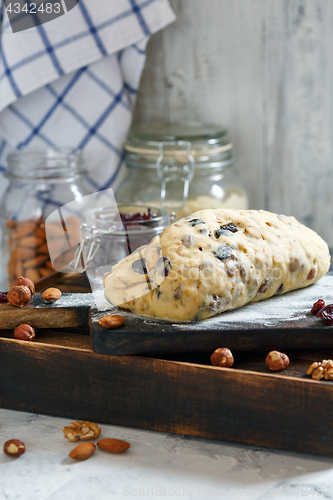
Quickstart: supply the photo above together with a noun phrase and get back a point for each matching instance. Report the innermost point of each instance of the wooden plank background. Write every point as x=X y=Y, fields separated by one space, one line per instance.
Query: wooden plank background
x=264 y=69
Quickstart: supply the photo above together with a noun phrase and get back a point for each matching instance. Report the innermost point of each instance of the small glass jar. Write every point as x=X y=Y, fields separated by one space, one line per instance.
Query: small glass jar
x=40 y=182
x=110 y=234
x=183 y=167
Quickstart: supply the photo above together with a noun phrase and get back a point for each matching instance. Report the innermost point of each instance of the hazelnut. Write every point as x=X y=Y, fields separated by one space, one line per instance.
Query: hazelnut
x=51 y=295
x=14 y=448
x=24 y=332
x=19 y=296
x=25 y=282
x=222 y=357
x=277 y=361
x=112 y=321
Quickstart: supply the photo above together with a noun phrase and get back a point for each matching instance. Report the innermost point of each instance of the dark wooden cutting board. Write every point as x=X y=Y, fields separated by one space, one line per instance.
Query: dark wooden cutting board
x=283 y=322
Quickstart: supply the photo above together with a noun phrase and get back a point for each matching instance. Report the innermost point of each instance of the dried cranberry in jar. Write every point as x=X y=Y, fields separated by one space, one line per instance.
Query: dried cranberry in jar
x=138 y=216
x=317 y=306
x=3 y=297
x=326 y=314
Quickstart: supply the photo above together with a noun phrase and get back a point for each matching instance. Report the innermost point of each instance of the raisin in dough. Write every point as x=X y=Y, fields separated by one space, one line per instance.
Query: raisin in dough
x=216 y=260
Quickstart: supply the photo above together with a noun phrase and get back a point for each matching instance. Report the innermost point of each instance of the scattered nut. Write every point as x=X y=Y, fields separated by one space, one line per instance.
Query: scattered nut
x=83 y=451
x=81 y=430
x=222 y=357
x=112 y=321
x=321 y=370
x=277 y=361
x=25 y=282
x=19 y=296
x=14 y=448
x=51 y=295
x=24 y=332
x=113 y=445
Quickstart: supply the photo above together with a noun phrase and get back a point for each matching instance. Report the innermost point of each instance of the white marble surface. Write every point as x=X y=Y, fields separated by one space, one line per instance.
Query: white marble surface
x=157 y=465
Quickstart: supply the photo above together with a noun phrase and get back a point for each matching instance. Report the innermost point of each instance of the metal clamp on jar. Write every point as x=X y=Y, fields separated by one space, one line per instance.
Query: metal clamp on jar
x=182 y=167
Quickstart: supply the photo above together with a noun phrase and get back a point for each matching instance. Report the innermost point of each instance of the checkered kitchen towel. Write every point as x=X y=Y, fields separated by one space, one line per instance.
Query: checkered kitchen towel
x=73 y=81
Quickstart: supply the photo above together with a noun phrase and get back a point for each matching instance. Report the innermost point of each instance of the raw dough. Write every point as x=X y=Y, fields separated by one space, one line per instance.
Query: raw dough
x=216 y=260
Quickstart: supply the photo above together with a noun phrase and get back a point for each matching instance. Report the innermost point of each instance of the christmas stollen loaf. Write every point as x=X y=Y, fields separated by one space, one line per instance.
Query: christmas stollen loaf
x=217 y=260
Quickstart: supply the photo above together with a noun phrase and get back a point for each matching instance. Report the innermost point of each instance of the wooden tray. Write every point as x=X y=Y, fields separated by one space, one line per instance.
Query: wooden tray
x=59 y=374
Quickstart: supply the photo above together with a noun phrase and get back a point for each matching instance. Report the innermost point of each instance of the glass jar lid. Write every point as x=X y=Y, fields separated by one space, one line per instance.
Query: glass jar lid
x=208 y=144
x=45 y=163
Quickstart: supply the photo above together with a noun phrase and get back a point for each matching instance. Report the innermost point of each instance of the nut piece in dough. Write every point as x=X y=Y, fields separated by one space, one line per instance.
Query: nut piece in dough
x=81 y=431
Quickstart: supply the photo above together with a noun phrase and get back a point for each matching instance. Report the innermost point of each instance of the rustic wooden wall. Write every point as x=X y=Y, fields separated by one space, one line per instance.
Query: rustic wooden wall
x=264 y=69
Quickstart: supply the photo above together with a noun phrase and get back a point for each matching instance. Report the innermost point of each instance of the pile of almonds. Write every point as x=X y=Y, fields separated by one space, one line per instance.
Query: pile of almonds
x=28 y=248
x=29 y=251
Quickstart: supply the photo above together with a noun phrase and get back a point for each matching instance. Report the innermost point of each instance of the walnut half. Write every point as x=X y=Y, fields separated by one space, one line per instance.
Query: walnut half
x=81 y=431
x=321 y=370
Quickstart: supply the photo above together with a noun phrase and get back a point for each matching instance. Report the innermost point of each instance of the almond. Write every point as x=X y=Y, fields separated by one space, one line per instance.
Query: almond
x=112 y=321
x=113 y=445
x=31 y=273
x=31 y=242
x=24 y=229
x=253 y=231
x=43 y=249
x=18 y=268
x=24 y=253
x=36 y=261
x=51 y=294
x=40 y=232
x=45 y=271
x=83 y=451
